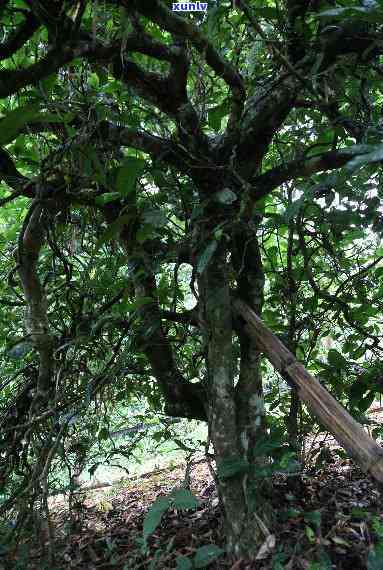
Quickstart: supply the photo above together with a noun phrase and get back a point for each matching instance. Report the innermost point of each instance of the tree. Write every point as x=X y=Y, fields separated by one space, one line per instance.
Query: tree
x=136 y=139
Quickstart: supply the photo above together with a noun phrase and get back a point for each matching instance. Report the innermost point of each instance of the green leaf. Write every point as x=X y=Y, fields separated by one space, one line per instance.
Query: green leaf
x=313 y=517
x=216 y=114
x=184 y=563
x=357 y=390
x=139 y=302
x=266 y=12
x=103 y=434
x=53 y=118
x=375 y=156
x=266 y=444
x=360 y=513
x=365 y=403
x=225 y=196
x=159 y=178
x=145 y=232
x=156 y=218
x=184 y=499
x=340 y=541
x=20 y=350
x=15 y=120
x=375 y=558
x=206 y=554
x=49 y=82
x=154 y=515
x=353 y=235
x=232 y=467
x=107 y=197
x=94 y=80
x=206 y=255
x=334 y=13
x=358 y=353
x=128 y=174
x=310 y=533
x=329 y=198
x=373 y=14
x=113 y=230
x=293 y=209
x=336 y=359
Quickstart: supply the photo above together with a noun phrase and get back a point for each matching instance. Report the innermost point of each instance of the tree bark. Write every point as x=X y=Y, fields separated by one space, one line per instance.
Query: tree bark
x=236 y=414
x=182 y=399
x=215 y=293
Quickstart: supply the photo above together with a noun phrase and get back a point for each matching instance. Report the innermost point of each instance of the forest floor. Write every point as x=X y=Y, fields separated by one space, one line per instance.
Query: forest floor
x=329 y=517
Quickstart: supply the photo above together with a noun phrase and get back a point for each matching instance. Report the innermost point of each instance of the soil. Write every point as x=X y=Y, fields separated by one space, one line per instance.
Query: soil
x=329 y=517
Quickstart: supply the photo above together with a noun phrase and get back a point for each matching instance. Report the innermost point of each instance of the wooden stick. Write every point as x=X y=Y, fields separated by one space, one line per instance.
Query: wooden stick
x=346 y=430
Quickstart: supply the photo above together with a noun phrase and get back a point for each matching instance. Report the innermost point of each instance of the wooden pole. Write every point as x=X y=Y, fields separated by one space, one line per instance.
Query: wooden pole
x=346 y=430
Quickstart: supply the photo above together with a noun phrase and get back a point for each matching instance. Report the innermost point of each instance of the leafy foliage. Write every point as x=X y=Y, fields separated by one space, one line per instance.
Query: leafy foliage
x=181 y=499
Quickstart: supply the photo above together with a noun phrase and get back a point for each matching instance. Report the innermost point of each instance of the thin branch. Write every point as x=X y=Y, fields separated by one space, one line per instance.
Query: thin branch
x=301 y=168
x=140 y=43
x=12 y=177
x=20 y=36
x=273 y=48
x=12 y=81
x=188 y=317
x=330 y=298
x=159 y=148
x=263 y=116
x=157 y=12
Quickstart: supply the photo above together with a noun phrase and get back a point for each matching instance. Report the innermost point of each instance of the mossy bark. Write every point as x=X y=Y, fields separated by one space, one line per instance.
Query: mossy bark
x=236 y=413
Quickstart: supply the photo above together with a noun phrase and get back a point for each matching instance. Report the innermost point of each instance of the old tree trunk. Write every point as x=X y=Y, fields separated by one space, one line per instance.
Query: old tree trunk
x=235 y=411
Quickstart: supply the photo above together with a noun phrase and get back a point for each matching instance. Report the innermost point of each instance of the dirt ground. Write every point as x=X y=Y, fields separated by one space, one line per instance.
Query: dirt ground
x=328 y=517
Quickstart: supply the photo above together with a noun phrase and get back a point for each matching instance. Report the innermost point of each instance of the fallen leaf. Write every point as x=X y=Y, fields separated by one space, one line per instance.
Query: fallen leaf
x=266 y=548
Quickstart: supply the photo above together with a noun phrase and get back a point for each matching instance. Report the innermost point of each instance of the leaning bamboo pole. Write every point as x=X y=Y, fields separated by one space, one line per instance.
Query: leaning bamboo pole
x=346 y=430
